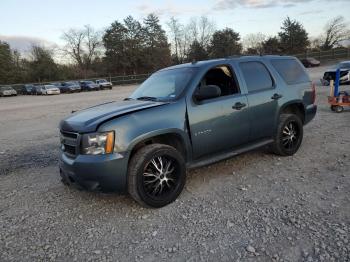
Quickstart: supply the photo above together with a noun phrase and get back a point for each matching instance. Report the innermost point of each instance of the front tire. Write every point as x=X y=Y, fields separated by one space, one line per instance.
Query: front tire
x=156 y=176
x=289 y=135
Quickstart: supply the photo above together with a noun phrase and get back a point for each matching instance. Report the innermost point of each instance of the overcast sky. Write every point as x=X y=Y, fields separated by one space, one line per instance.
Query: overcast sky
x=23 y=22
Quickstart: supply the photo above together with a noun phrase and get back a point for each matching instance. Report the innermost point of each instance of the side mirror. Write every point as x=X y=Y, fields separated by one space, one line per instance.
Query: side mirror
x=207 y=92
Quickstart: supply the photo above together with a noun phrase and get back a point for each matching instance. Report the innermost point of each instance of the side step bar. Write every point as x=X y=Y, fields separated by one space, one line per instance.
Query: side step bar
x=222 y=156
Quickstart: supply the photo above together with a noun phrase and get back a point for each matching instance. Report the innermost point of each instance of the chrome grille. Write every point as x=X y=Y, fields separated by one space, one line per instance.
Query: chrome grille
x=70 y=143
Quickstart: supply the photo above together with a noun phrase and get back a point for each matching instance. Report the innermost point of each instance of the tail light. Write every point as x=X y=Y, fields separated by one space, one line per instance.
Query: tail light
x=313 y=94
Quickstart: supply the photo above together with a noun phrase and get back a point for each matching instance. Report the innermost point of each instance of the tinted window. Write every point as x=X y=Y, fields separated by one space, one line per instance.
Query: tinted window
x=291 y=71
x=256 y=76
x=344 y=65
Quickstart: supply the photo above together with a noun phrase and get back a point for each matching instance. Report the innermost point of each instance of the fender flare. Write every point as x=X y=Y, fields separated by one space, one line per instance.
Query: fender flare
x=169 y=131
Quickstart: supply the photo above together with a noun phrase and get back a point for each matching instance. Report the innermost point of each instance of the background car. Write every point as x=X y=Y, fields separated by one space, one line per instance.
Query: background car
x=344 y=73
x=104 y=84
x=28 y=89
x=50 y=90
x=38 y=90
x=7 y=91
x=310 y=62
x=70 y=87
x=89 y=86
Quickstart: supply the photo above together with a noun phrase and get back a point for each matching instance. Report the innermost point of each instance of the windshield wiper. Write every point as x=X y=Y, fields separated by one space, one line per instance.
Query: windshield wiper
x=147 y=98
x=128 y=98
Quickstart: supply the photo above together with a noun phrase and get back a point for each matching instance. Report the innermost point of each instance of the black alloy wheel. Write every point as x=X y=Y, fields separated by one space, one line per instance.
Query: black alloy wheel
x=289 y=135
x=157 y=175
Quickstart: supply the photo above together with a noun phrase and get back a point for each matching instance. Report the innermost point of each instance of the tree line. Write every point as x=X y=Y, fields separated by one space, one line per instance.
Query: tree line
x=130 y=47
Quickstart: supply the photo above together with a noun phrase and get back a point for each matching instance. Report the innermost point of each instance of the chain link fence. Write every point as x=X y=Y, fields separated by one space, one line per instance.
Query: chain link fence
x=335 y=54
x=115 y=80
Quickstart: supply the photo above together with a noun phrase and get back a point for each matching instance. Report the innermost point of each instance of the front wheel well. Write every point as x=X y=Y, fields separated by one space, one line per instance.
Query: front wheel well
x=173 y=140
x=296 y=109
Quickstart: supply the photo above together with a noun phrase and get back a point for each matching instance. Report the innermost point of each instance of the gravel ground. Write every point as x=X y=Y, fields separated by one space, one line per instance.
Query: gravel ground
x=254 y=207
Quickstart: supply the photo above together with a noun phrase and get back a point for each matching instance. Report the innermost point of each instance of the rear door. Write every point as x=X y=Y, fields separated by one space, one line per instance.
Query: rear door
x=263 y=96
x=220 y=123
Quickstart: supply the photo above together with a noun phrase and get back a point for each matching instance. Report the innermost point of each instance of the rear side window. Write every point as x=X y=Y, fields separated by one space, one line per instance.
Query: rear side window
x=256 y=76
x=291 y=71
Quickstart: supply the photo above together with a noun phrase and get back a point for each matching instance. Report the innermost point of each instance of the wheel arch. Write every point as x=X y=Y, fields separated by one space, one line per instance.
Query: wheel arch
x=296 y=107
x=172 y=137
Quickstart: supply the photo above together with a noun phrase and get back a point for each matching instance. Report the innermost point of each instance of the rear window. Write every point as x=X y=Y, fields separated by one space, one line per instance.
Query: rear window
x=291 y=71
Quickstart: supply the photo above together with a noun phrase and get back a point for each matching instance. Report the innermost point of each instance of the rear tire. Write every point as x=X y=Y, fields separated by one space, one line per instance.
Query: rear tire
x=156 y=175
x=289 y=135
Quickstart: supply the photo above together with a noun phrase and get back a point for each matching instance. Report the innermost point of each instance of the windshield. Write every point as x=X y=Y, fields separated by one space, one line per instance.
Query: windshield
x=6 y=88
x=164 y=85
x=89 y=82
x=343 y=65
x=102 y=81
x=71 y=83
x=50 y=87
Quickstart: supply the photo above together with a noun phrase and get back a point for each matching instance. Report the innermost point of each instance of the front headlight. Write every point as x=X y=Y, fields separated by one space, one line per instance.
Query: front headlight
x=98 y=143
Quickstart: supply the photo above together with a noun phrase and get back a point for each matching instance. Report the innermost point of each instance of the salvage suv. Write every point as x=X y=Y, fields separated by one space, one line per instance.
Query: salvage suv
x=186 y=116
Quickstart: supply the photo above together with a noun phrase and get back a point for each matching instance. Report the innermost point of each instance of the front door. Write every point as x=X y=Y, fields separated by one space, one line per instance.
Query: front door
x=221 y=123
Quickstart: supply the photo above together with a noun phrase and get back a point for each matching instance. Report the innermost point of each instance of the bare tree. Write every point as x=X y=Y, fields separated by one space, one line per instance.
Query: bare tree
x=180 y=40
x=315 y=43
x=82 y=45
x=176 y=31
x=253 y=43
x=93 y=43
x=336 y=31
x=201 y=30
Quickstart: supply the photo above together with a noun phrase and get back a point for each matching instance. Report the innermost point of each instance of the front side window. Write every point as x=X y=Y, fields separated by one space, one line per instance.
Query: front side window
x=223 y=78
x=256 y=76
x=164 y=85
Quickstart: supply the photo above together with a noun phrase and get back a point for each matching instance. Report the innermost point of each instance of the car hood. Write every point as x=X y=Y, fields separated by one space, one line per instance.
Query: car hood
x=89 y=119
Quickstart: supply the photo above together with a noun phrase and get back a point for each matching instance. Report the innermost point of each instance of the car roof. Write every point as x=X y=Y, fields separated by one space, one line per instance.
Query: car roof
x=213 y=62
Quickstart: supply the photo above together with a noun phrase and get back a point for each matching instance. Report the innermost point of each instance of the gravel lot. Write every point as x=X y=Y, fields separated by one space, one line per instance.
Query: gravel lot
x=254 y=207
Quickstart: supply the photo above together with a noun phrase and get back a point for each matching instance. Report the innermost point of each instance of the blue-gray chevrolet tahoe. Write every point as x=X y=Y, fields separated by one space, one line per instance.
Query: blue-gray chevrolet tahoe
x=183 y=117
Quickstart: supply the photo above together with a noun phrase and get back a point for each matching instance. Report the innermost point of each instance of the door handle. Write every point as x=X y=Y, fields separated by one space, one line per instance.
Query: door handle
x=276 y=96
x=238 y=106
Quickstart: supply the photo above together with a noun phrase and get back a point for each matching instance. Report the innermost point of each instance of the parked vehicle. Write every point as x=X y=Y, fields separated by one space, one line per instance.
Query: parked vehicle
x=104 y=84
x=7 y=91
x=50 y=90
x=38 y=90
x=28 y=89
x=186 y=116
x=56 y=84
x=344 y=73
x=310 y=62
x=70 y=87
x=89 y=86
